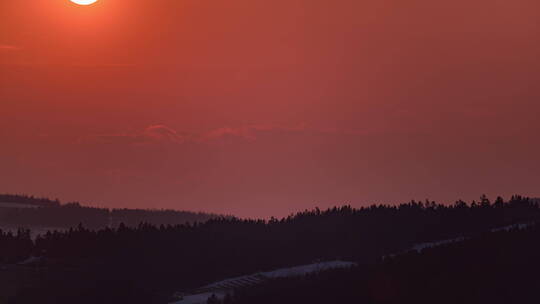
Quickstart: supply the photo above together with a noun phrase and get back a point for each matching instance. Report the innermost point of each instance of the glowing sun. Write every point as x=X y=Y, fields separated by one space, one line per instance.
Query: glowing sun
x=84 y=2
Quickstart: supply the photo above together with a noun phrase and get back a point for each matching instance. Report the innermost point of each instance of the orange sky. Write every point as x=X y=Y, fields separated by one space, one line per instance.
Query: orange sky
x=258 y=107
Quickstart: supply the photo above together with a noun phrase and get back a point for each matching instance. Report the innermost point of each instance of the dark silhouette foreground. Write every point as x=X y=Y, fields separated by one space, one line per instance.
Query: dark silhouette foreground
x=147 y=263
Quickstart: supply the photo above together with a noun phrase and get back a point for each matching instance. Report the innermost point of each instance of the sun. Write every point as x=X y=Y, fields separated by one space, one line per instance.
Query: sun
x=84 y=2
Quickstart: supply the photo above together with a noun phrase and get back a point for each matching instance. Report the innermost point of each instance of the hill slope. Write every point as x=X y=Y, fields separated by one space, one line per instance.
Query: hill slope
x=41 y=213
x=147 y=264
x=496 y=267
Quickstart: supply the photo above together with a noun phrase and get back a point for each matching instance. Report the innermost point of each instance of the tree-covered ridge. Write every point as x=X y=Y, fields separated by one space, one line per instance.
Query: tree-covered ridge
x=28 y=200
x=494 y=267
x=159 y=260
x=52 y=213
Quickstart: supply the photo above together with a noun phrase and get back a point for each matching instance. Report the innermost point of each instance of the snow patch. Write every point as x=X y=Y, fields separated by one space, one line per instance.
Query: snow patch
x=221 y=288
x=307 y=269
x=514 y=226
x=419 y=247
x=31 y=260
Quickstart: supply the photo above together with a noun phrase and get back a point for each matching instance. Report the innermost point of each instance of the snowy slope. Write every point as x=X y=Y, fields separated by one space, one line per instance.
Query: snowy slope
x=221 y=288
x=421 y=246
x=515 y=226
x=307 y=269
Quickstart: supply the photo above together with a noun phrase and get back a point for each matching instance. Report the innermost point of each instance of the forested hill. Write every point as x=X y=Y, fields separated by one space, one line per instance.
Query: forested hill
x=38 y=213
x=152 y=262
x=496 y=267
x=24 y=200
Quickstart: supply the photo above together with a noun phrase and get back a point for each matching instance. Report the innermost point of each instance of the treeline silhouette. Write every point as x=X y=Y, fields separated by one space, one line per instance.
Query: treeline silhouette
x=43 y=212
x=498 y=267
x=147 y=263
x=15 y=247
x=28 y=200
x=133 y=217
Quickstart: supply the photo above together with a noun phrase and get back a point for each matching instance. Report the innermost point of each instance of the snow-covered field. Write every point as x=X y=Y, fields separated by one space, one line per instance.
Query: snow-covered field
x=421 y=246
x=221 y=288
x=307 y=269
x=515 y=226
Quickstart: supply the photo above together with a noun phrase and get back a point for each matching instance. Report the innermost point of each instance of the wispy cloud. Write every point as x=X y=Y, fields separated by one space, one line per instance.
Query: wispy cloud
x=250 y=132
x=101 y=65
x=162 y=134
x=152 y=134
x=8 y=47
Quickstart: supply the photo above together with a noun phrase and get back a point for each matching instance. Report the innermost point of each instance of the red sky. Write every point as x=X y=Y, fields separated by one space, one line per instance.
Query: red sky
x=259 y=107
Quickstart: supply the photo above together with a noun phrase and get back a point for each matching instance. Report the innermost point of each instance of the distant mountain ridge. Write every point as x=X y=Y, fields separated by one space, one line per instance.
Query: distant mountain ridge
x=15 y=199
x=35 y=213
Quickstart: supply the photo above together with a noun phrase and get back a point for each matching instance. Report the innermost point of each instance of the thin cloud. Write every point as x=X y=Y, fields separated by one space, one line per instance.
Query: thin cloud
x=250 y=133
x=243 y=132
x=163 y=134
x=254 y=132
x=151 y=134
x=7 y=47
